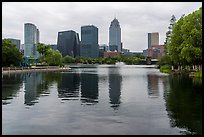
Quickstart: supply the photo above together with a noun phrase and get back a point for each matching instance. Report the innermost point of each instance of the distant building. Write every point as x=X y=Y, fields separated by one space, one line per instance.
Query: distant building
x=125 y=51
x=53 y=46
x=145 y=52
x=138 y=53
x=89 y=41
x=31 y=38
x=153 y=39
x=22 y=47
x=17 y=42
x=156 y=51
x=68 y=43
x=115 y=36
x=111 y=54
x=103 y=48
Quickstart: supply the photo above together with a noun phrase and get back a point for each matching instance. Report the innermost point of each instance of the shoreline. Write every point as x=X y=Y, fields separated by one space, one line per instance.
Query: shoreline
x=34 y=69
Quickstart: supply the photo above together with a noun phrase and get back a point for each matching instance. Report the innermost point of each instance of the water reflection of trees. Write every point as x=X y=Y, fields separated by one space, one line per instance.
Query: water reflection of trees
x=184 y=104
x=153 y=85
x=10 y=86
x=115 y=81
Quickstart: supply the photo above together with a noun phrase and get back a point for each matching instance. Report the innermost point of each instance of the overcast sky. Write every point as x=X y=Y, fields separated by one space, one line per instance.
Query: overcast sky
x=136 y=19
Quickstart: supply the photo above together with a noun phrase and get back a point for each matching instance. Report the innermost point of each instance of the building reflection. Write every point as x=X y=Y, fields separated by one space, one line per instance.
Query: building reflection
x=68 y=87
x=11 y=84
x=153 y=85
x=89 y=88
x=31 y=80
x=115 y=81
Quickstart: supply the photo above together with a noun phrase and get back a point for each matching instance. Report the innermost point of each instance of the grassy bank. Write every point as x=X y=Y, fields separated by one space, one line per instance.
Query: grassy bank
x=198 y=74
x=165 y=69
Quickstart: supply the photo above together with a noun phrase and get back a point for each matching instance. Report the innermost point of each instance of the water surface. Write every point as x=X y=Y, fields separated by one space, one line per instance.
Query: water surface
x=101 y=99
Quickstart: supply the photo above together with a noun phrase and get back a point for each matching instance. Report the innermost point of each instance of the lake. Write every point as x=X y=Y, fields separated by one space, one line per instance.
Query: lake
x=101 y=100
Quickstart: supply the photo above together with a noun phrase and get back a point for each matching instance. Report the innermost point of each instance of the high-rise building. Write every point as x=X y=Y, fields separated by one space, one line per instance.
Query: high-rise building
x=153 y=39
x=17 y=42
x=53 y=46
x=68 y=43
x=89 y=41
x=31 y=39
x=115 y=36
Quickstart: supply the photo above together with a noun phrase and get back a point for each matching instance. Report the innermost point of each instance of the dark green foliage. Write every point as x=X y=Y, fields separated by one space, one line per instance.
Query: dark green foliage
x=11 y=56
x=185 y=46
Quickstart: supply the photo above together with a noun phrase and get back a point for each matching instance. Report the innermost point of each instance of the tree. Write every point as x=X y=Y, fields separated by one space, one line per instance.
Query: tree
x=68 y=59
x=185 y=47
x=43 y=50
x=169 y=32
x=192 y=36
x=174 y=47
x=11 y=56
x=53 y=58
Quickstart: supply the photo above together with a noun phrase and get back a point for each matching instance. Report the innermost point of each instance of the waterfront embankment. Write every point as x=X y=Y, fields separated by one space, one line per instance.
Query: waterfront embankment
x=8 y=70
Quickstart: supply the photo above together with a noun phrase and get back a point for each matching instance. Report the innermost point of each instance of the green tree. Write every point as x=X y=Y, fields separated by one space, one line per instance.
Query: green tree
x=174 y=47
x=68 y=59
x=185 y=47
x=169 y=32
x=192 y=36
x=53 y=58
x=11 y=56
x=43 y=50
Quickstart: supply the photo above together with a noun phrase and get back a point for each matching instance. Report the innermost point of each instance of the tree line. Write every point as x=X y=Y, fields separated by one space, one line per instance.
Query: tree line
x=184 y=42
x=11 y=56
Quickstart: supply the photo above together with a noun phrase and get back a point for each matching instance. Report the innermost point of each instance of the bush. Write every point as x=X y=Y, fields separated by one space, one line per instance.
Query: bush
x=165 y=69
x=198 y=74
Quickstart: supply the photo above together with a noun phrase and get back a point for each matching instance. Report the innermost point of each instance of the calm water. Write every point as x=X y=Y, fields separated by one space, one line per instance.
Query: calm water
x=104 y=99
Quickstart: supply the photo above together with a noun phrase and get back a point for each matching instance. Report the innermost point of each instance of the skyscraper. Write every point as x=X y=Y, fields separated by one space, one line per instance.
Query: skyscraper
x=115 y=36
x=31 y=39
x=89 y=41
x=153 y=39
x=68 y=43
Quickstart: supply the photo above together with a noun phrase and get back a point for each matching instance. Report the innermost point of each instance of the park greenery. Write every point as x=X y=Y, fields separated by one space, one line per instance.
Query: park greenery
x=11 y=56
x=48 y=56
x=184 y=43
x=129 y=60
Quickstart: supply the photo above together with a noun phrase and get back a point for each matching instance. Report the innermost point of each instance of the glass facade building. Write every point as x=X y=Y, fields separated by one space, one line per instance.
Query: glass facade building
x=115 y=36
x=68 y=43
x=31 y=39
x=89 y=41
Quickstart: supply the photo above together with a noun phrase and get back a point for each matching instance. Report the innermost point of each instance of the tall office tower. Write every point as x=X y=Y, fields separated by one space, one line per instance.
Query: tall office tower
x=68 y=43
x=31 y=39
x=89 y=41
x=153 y=39
x=115 y=36
x=17 y=42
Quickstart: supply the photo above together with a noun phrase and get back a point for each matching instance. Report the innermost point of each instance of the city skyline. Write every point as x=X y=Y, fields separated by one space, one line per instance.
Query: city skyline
x=137 y=19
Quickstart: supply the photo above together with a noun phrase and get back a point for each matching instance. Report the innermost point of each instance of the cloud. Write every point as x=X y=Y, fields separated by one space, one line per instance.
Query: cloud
x=136 y=19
